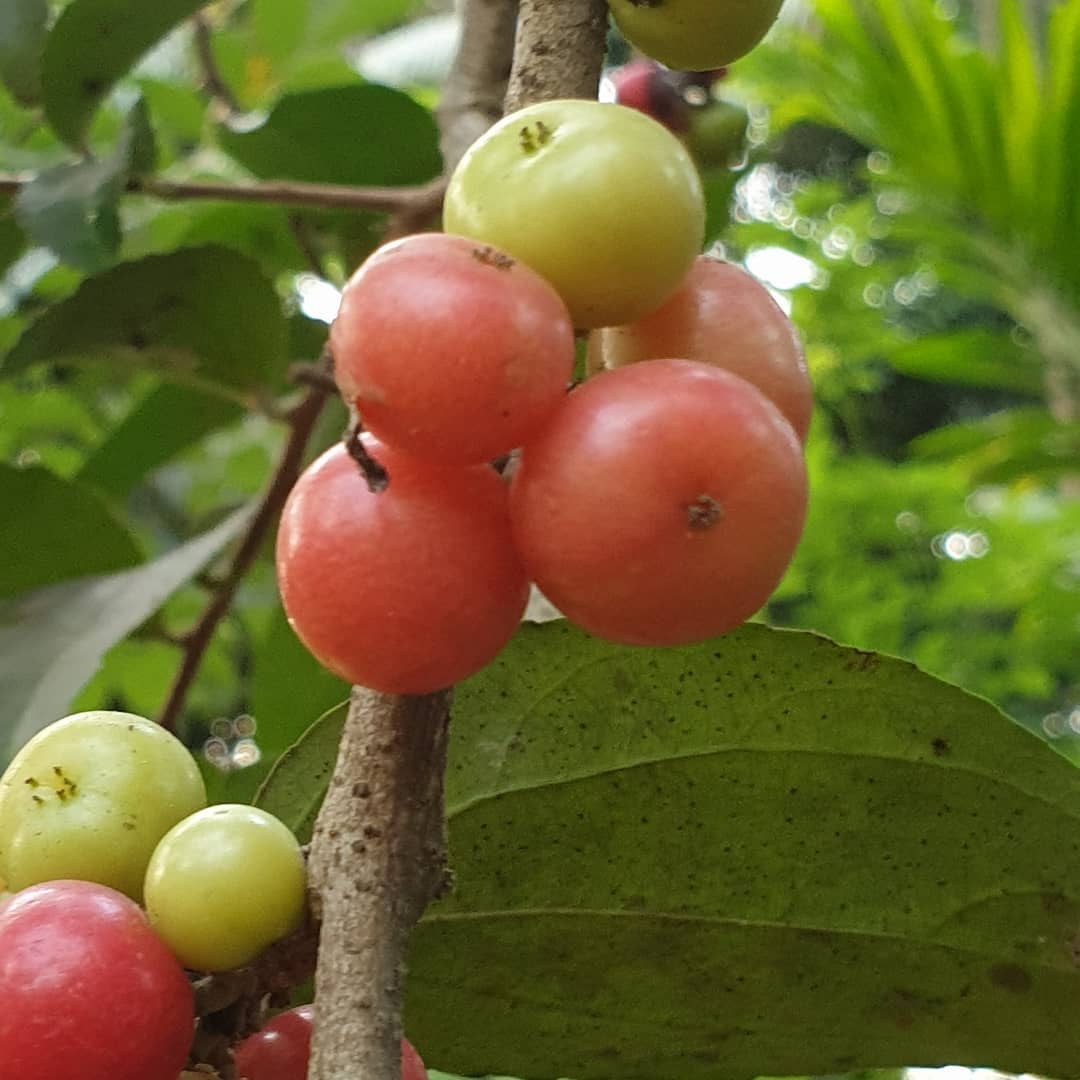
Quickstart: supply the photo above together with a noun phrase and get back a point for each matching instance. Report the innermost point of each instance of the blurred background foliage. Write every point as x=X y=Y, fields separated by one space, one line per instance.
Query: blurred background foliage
x=908 y=189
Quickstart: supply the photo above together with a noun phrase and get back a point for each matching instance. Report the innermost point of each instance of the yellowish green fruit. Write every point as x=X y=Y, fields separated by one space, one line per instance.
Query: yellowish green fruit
x=89 y=797
x=600 y=199
x=223 y=885
x=694 y=35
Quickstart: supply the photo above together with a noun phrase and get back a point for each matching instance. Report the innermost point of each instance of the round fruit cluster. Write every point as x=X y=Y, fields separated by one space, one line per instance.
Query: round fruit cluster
x=102 y=812
x=659 y=503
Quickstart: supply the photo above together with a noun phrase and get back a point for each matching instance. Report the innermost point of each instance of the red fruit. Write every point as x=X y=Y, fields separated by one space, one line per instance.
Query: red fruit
x=88 y=989
x=406 y=591
x=721 y=316
x=646 y=86
x=450 y=349
x=412 y=1064
x=662 y=503
x=280 y=1050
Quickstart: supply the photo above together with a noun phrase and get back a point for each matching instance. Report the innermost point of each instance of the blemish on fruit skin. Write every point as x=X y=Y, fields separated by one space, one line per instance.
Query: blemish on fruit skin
x=533 y=136
x=490 y=257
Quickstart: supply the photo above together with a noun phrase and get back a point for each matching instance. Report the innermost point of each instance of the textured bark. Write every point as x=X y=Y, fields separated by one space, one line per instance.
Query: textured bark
x=377 y=859
x=473 y=97
x=558 y=51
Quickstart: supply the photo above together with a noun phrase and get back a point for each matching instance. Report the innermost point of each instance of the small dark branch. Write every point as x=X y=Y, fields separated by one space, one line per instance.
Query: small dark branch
x=375 y=475
x=213 y=84
x=302 y=422
x=558 y=51
x=377 y=860
x=304 y=241
x=232 y=1004
x=421 y=199
x=295 y=193
x=304 y=374
x=476 y=85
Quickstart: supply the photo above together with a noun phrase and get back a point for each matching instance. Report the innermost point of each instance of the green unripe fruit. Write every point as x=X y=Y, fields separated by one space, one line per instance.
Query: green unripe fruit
x=89 y=797
x=718 y=134
x=694 y=35
x=223 y=885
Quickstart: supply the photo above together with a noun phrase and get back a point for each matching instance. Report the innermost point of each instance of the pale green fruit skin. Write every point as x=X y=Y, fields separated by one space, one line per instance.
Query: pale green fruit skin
x=608 y=206
x=123 y=782
x=695 y=35
x=223 y=885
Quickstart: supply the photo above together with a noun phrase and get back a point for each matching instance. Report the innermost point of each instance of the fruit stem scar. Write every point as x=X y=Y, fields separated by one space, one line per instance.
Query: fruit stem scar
x=703 y=513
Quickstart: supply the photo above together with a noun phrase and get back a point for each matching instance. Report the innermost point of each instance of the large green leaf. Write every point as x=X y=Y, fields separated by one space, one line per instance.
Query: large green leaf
x=40 y=515
x=204 y=316
x=169 y=419
x=288 y=688
x=52 y=640
x=765 y=854
x=94 y=43
x=362 y=134
x=294 y=789
x=22 y=34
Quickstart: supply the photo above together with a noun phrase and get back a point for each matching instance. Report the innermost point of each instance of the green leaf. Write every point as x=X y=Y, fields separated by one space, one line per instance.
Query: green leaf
x=764 y=854
x=334 y=20
x=288 y=687
x=362 y=134
x=40 y=514
x=93 y=44
x=73 y=208
x=1007 y=446
x=279 y=26
x=294 y=789
x=22 y=33
x=169 y=419
x=12 y=238
x=52 y=640
x=203 y=316
x=977 y=357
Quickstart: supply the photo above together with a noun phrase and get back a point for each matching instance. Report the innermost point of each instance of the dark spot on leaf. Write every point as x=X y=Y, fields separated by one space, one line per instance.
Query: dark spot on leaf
x=1011 y=977
x=941 y=746
x=93 y=87
x=1054 y=903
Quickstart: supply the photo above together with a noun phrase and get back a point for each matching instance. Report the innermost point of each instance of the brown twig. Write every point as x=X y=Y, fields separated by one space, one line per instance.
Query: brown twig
x=377 y=860
x=214 y=85
x=558 y=51
x=302 y=422
x=232 y=1004
x=378 y=856
x=472 y=99
x=418 y=199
